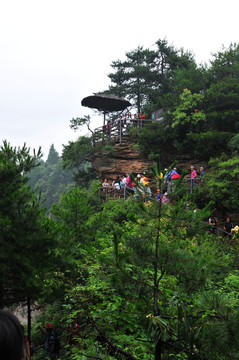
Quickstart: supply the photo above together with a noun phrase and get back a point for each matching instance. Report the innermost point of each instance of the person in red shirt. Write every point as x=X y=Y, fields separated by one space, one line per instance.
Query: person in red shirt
x=142 y=118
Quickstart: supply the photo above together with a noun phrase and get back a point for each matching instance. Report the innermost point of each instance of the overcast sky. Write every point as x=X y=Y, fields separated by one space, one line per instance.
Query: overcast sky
x=54 y=53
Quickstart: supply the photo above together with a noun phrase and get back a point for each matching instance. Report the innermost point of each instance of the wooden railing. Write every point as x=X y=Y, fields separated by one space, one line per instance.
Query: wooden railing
x=119 y=129
x=112 y=193
x=125 y=191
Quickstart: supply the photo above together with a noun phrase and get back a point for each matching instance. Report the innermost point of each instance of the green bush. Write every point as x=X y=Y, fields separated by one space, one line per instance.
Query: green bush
x=220 y=184
x=154 y=138
x=233 y=144
x=206 y=145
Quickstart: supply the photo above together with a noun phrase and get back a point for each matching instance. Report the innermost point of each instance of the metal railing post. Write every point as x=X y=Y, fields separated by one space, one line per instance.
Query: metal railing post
x=120 y=132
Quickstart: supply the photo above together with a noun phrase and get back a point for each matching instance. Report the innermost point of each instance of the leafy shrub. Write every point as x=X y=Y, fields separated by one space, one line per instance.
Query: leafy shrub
x=221 y=184
x=206 y=145
x=153 y=138
x=233 y=144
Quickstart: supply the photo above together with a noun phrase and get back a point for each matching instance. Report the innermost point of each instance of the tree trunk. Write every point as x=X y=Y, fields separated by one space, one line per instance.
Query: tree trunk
x=29 y=319
x=158 y=346
x=158 y=350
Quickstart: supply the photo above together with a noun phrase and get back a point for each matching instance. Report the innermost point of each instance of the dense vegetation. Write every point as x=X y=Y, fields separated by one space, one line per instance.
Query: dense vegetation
x=145 y=280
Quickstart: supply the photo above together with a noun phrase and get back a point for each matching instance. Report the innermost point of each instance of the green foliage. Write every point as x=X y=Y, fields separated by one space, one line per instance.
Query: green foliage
x=27 y=235
x=225 y=63
x=191 y=77
x=219 y=321
x=74 y=153
x=74 y=158
x=145 y=77
x=107 y=150
x=188 y=116
x=154 y=138
x=132 y=76
x=186 y=112
x=76 y=123
x=53 y=156
x=221 y=97
x=220 y=185
x=204 y=145
x=137 y=275
x=220 y=102
x=233 y=144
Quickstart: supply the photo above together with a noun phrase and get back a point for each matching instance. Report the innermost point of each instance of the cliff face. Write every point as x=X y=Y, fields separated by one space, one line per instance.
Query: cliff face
x=125 y=158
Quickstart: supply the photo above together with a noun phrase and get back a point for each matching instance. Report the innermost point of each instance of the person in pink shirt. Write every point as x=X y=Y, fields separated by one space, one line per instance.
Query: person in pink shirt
x=193 y=176
x=128 y=180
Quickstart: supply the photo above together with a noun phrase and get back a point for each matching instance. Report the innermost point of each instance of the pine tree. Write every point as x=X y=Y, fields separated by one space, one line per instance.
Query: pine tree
x=25 y=236
x=53 y=156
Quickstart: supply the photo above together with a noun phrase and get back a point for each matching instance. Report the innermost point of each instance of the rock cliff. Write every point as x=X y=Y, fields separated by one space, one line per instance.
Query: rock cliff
x=120 y=159
x=125 y=157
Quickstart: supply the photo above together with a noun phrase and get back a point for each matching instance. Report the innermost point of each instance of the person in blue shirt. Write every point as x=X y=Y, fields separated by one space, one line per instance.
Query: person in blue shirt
x=50 y=341
x=201 y=173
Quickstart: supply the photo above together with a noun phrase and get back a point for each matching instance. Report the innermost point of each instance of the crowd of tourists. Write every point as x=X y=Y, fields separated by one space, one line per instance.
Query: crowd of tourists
x=143 y=185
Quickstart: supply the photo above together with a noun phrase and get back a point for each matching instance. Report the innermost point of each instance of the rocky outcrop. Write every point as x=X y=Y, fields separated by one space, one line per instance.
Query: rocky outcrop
x=125 y=157
x=121 y=159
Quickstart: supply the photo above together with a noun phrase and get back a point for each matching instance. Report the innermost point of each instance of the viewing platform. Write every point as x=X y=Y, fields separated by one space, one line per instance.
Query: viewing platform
x=120 y=129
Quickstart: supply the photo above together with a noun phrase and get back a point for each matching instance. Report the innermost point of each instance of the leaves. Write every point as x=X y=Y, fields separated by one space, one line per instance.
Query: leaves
x=220 y=185
x=187 y=112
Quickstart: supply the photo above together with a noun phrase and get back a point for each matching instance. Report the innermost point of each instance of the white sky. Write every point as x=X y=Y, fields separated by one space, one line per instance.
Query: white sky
x=56 y=52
